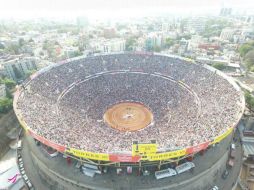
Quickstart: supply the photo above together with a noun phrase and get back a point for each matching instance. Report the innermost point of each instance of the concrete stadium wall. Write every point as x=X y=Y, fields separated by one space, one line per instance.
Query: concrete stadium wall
x=54 y=180
x=7 y=123
x=205 y=179
x=202 y=181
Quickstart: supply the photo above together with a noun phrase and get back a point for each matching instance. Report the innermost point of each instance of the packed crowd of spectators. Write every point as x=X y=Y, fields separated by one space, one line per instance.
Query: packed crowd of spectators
x=66 y=104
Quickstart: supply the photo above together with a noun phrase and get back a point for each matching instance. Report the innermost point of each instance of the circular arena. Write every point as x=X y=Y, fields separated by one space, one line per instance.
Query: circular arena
x=129 y=107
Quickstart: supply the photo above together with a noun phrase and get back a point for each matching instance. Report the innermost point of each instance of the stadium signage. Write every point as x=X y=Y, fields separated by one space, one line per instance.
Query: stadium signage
x=23 y=124
x=88 y=155
x=55 y=146
x=123 y=158
x=144 y=149
x=195 y=149
x=224 y=135
x=166 y=155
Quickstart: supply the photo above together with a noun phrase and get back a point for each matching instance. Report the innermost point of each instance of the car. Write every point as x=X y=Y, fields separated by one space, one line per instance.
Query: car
x=25 y=177
x=78 y=165
x=19 y=145
x=215 y=188
x=38 y=143
x=225 y=174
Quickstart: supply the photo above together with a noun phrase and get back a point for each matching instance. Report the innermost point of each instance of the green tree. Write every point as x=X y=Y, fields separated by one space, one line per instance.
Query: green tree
x=21 y=42
x=249 y=60
x=78 y=53
x=30 y=40
x=250 y=55
x=12 y=49
x=156 y=49
x=5 y=105
x=130 y=42
x=219 y=66
x=244 y=49
x=9 y=83
x=29 y=73
x=9 y=94
x=249 y=100
x=169 y=42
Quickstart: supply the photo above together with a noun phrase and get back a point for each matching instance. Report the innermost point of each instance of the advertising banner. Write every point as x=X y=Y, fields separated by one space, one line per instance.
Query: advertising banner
x=166 y=155
x=194 y=149
x=224 y=135
x=55 y=146
x=88 y=155
x=22 y=123
x=123 y=158
x=144 y=149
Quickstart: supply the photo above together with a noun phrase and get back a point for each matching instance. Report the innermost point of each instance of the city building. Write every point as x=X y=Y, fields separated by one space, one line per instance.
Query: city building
x=82 y=22
x=182 y=46
x=70 y=52
x=109 y=33
x=16 y=68
x=102 y=45
x=225 y=11
x=194 y=42
x=153 y=40
x=2 y=91
x=196 y=24
x=227 y=34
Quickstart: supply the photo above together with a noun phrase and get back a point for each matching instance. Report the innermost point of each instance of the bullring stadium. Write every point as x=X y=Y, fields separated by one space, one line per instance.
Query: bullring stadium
x=130 y=111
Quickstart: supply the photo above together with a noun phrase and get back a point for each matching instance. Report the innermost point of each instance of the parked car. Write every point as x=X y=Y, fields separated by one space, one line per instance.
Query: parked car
x=19 y=145
x=225 y=174
x=215 y=188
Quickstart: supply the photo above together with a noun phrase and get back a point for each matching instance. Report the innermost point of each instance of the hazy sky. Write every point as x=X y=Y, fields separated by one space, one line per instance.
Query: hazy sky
x=112 y=8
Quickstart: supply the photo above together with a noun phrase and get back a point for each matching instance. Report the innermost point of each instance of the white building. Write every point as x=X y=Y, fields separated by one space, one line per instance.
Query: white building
x=17 y=68
x=183 y=46
x=70 y=52
x=196 y=24
x=107 y=45
x=227 y=34
x=165 y=27
x=194 y=42
x=2 y=91
x=153 y=40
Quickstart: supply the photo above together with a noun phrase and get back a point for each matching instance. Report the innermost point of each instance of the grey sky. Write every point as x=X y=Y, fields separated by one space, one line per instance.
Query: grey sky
x=29 y=8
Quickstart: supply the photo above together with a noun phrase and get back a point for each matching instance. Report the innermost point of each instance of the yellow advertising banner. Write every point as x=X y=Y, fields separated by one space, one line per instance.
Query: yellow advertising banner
x=224 y=135
x=144 y=149
x=22 y=123
x=166 y=155
x=24 y=126
x=88 y=155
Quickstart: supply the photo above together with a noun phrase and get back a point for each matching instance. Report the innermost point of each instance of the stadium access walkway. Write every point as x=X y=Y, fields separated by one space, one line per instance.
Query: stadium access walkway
x=213 y=160
x=234 y=173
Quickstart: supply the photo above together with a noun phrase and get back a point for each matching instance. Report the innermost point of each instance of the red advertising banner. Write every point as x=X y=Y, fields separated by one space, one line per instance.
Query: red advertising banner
x=197 y=148
x=123 y=158
x=55 y=146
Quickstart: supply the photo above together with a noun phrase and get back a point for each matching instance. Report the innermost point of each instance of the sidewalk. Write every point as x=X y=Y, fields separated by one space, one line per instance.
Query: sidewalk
x=9 y=173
